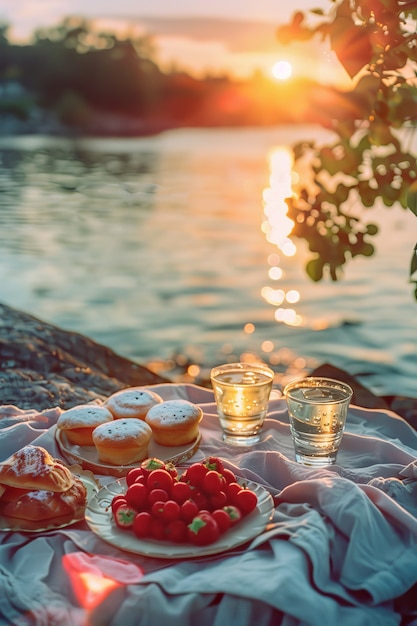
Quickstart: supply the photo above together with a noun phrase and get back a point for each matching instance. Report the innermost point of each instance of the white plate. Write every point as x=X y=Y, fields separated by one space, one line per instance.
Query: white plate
x=99 y=518
x=87 y=456
x=92 y=488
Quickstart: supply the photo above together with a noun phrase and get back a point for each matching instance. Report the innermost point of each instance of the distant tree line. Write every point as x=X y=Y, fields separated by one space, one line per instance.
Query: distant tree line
x=89 y=79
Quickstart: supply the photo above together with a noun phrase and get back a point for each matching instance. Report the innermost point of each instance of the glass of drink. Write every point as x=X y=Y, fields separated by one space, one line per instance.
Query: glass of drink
x=242 y=391
x=317 y=410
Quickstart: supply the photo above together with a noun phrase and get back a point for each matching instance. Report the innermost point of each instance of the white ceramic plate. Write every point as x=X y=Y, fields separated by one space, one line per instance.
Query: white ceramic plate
x=87 y=456
x=92 y=489
x=99 y=518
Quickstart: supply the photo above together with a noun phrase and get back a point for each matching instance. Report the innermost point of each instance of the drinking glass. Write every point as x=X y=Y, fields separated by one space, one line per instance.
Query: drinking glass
x=242 y=391
x=317 y=410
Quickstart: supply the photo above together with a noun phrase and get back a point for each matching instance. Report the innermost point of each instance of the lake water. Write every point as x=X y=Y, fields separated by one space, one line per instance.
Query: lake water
x=154 y=247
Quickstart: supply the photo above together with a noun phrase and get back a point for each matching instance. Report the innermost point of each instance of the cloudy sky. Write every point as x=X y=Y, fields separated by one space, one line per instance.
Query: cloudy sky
x=234 y=36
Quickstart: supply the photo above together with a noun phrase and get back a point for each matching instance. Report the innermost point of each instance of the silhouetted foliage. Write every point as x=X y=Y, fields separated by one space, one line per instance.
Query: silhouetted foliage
x=373 y=123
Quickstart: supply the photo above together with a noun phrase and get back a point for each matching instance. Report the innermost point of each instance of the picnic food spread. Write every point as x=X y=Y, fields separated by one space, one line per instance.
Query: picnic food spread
x=308 y=536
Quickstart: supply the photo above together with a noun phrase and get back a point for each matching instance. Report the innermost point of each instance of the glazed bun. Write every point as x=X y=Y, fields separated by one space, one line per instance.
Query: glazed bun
x=132 y=402
x=33 y=467
x=38 y=491
x=36 y=509
x=122 y=441
x=79 y=422
x=174 y=422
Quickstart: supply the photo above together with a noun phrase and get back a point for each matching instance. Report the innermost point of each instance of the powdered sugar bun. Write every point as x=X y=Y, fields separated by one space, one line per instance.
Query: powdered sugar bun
x=79 y=422
x=174 y=422
x=122 y=441
x=132 y=402
x=32 y=467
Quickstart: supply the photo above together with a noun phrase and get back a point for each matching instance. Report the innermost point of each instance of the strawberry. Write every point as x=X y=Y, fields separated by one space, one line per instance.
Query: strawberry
x=176 y=531
x=231 y=490
x=228 y=475
x=133 y=475
x=214 y=463
x=151 y=464
x=223 y=519
x=217 y=500
x=170 y=467
x=171 y=511
x=212 y=482
x=189 y=510
x=157 y=494
x=245 y=500
x=117 y=501
x=194 y=474
x=234 y=513
x=124 y=516
x=142 y=524
x=203 y=530
x=136 y=496
x=160 y=479
x=180 y=491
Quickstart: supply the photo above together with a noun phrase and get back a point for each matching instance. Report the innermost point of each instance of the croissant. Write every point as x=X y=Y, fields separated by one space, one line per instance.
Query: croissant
x=38 y=491
x=32 y=467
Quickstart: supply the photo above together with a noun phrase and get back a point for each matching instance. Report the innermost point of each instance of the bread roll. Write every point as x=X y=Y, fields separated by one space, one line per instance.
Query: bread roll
x=38 y=491
x=132 y=402
x=174 y=422
x=33 y=467
x=79 y=422
x=122 y=441
x=37 y=509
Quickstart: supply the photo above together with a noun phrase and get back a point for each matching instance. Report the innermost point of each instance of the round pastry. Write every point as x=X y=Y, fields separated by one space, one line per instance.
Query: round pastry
x=122 y=441
x=38 y=508
x=79 y=422
x=132 y=402
x=174 y=422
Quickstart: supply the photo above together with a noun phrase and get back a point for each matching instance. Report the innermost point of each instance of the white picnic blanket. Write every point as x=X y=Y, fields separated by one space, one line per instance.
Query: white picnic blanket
x=342 y=548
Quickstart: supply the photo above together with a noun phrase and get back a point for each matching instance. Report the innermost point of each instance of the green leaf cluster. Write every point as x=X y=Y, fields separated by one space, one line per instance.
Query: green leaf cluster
x=373 y=124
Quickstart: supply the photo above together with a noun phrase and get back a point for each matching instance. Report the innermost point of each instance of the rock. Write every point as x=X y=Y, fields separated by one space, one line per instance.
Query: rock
x=42 y=366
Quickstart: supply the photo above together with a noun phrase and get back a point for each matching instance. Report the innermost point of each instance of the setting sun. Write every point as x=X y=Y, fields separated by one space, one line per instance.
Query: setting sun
x=282 y=70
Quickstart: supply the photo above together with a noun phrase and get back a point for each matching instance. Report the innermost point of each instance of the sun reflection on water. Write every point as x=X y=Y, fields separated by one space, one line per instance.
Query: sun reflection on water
x=279 y=292
x=277 y=228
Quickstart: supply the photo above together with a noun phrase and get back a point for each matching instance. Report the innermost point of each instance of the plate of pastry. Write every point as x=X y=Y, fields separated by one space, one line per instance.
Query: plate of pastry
x=99 y=518
x=130 y=426
x=88 y=458
x=40 y=493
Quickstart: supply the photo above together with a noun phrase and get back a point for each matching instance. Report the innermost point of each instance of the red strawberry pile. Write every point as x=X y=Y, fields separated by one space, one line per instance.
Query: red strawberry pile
x=195 y=507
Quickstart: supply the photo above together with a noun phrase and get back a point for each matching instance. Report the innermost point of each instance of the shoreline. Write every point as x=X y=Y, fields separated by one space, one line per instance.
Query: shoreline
x=43 y=366
x=107 y=126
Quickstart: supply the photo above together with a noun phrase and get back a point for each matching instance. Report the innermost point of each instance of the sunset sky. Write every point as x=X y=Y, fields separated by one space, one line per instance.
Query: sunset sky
x=221 y=36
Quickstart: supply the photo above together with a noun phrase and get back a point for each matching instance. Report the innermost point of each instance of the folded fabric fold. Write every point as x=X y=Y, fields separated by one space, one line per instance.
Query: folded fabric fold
x=410 y=471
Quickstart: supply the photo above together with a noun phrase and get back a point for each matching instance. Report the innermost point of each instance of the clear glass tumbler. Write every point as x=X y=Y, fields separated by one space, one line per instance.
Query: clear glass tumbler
x=242 y=393
x=317 y=410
